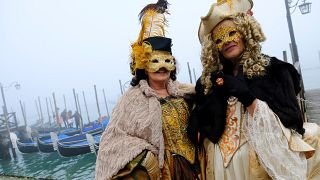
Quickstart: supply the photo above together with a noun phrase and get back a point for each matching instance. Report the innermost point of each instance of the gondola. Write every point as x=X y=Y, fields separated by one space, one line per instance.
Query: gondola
x=66 y=131
x=45 y=143
x=76 y=145
x=27 y=146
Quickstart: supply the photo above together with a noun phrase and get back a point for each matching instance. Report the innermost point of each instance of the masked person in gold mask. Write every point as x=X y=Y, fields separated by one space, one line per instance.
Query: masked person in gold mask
x=146 y=136
x=247 y=112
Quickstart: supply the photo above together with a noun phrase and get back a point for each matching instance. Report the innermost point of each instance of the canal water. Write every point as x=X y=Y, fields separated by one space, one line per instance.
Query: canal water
x=50 y=166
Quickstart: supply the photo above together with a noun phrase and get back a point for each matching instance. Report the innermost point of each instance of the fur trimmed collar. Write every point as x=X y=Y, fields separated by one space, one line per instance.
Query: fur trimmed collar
x=135 y=125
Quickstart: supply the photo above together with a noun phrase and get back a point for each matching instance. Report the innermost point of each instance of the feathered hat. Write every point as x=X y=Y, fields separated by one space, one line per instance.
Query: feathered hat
x=219 y=11
x=151 y=37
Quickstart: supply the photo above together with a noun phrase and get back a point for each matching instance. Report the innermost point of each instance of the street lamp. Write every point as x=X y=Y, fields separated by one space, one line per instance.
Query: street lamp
x=304 y=8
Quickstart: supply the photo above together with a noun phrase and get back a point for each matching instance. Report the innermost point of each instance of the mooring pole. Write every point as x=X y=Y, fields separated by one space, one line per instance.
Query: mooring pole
x=49 y=117
x=99 y=113
x=85 y=103
x=6 y=120
x=105 y=101
x=23 y=113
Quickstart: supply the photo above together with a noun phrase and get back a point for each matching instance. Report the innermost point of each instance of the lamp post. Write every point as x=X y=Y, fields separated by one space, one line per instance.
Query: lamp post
x=5 y=110
x=305 y=8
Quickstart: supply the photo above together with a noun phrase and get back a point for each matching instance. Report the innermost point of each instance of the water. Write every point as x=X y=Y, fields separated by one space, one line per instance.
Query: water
x=50 y=166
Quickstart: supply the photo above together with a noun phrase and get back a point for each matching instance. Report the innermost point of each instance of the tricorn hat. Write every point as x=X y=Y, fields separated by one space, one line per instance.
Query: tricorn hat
x=219 y=11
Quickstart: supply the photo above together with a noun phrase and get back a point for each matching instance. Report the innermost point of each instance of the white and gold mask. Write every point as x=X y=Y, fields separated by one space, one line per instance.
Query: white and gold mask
x=224 y=35
x=160 y=59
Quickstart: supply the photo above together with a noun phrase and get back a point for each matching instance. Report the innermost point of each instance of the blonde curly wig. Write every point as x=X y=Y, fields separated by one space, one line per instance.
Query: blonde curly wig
x=254 y=63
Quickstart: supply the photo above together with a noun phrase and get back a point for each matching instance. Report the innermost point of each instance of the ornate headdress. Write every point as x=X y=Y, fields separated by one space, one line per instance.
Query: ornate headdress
x=219 y=11
x=152 y=41
x=254 y=63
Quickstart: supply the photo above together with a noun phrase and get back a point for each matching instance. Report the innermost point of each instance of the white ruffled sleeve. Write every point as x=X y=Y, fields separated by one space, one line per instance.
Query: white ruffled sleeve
x=266 y=137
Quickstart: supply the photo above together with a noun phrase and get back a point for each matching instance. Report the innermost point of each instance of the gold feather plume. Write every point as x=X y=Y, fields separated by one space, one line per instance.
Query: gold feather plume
x=153 y=23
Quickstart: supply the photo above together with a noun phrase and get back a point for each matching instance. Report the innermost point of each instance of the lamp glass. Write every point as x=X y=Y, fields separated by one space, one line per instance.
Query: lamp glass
x=305 y=8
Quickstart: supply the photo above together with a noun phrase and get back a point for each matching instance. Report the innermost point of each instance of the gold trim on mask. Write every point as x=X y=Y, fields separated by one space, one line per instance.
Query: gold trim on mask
x=160 y=59
x=226 y=34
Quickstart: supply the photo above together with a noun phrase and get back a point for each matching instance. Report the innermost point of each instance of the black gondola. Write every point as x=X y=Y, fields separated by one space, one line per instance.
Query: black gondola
x=27 y=146
x=76 y=145
x=45 y=143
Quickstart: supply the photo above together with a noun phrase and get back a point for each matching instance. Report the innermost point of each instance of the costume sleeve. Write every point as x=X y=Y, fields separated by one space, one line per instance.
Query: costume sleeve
x=208 y=117
x=120 y=143
x=266 y=137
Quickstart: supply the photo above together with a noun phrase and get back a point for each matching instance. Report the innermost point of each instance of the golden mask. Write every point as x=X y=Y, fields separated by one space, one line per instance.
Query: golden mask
x=160 y=59
x=226 y=34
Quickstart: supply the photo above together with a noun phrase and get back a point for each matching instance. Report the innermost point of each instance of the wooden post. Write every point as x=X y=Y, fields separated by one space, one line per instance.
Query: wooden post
x=5 y=114
x=189 y=72
x=99 y=113
x=79 y=107
x=49 y=117
x=15 y=119
x=23 y=113
x=53 y=112
x=41 y=114
x=24 y=110
x=37 y=108
x=194 y=75
x=285 y=57
x=121 y=89
x=292 y=54
x=56 y=110
x=75 y=100
x=85 y=103
x=105 y=102
x=81 y=120
x=65 y=103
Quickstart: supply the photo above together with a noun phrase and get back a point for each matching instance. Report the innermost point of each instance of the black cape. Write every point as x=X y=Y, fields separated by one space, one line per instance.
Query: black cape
x=278 y=88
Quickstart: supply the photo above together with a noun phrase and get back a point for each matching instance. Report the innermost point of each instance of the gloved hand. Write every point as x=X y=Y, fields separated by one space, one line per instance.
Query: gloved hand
x=151 y=164
x=233 y=86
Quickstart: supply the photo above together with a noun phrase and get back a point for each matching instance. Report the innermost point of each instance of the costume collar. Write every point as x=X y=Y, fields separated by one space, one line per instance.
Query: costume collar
x=149 y=92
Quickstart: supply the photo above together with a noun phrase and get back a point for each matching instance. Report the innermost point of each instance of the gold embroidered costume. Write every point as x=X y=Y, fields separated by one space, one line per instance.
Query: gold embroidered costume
x=179 y=151
x=146 y=137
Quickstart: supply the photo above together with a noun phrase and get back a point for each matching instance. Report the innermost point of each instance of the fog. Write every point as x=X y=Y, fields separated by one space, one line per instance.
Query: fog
x=55 y=46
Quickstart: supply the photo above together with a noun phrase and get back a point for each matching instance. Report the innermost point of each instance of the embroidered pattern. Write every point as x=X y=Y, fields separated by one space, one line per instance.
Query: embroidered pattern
x=174 y=117
x=230 y=140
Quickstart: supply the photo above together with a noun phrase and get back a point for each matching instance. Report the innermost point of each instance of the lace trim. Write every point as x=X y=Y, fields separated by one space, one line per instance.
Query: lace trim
x=265 y=136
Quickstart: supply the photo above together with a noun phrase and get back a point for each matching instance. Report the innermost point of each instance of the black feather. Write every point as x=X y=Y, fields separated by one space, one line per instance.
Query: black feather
x=161 y=7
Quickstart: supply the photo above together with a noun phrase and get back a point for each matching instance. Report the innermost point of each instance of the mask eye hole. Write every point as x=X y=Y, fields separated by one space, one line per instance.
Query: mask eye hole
x=218 y=41
x=167 y=61
x=155 y=60
x=232 y=33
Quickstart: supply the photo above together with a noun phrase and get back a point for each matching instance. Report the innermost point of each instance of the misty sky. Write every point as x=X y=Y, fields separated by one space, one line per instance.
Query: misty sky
x=57 y=45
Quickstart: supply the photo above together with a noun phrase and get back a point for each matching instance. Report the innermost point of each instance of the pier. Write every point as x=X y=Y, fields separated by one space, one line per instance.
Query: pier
x=313 y=105
x=7 y=124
